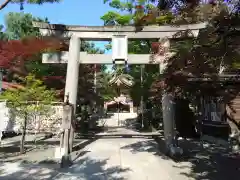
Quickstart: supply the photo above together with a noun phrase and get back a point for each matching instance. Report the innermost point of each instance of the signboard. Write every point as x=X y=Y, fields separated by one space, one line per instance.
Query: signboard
x=67 y=116
x=119 y=48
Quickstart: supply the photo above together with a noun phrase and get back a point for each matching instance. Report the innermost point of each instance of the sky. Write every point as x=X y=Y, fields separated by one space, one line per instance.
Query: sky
x=69 y=12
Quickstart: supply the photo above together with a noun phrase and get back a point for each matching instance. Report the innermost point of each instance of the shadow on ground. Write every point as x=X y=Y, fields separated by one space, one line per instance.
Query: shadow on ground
x=132 y=124
x=148 y=145
x=39 y=152
x=207 y=160
x=84 y=169
x=211 y=161
x=89 y=168
x=137 y=125
x=12 y=153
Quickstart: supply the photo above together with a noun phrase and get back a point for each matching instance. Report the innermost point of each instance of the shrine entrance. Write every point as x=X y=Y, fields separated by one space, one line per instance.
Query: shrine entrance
x=119 y=35
x=116 y=106
x=120 y=110
x=120 y=106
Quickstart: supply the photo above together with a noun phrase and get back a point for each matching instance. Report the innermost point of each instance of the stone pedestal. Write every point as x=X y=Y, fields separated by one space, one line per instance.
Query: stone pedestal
x=59 y=152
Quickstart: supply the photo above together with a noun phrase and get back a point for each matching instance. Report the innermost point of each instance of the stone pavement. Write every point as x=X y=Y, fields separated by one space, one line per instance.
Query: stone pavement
x=106 y=159
x=129 y=159
x=41 y=151
x=138 y=158
x=117 y=119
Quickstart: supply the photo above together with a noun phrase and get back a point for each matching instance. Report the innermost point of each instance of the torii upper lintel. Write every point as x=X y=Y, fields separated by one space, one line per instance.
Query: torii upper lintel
x=95 y=33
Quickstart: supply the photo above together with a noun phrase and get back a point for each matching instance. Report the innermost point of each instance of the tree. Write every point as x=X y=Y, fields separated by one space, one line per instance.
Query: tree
x=106 y=92
x=19 y=25
x=14 y=53
x=18 y=55
x=144 y=12
x=216 y=49
x=18 y=28
x=21 y=2
x=20 y=101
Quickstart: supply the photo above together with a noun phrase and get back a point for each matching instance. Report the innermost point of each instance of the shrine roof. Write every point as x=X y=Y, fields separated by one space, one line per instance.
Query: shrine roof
x=121 y=80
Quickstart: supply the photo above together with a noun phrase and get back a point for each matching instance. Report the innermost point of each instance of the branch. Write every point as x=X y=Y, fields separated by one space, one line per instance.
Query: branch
x=4 y=4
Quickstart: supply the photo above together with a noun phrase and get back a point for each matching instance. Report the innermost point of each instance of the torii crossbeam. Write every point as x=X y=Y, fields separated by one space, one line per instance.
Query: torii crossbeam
x=86 y=58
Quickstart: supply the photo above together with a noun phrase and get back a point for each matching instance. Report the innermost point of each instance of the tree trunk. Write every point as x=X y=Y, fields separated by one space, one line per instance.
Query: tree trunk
x=24 y=127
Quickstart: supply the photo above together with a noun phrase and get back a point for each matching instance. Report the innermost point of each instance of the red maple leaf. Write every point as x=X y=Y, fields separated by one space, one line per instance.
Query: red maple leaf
x=15 y=52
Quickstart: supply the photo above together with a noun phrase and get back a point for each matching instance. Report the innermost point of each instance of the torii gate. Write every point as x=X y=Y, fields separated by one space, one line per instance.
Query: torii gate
x=119 y=36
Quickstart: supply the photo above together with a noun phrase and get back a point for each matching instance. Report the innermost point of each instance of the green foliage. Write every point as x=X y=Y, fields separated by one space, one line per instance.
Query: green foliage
x=90 y=48
x=216 y=45
x=19 y=25
x=103 y=87
x=136 y=12
x=2 y=34
x=22 y=99
x=113 y=18
x=116 y=18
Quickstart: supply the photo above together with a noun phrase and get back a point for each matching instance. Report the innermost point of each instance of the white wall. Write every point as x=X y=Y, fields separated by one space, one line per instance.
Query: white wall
x=44 y=123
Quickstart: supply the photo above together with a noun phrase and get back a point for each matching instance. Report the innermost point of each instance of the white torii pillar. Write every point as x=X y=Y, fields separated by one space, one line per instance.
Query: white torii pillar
x=71 y=89
x=71 y=85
